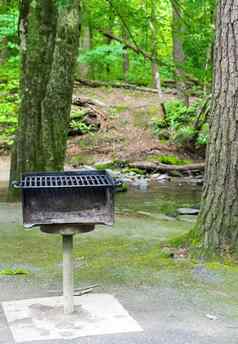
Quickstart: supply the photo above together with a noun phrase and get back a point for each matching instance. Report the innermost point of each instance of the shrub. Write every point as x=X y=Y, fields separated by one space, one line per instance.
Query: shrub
x=203 y=135
x=184 y=135
x=179 y=122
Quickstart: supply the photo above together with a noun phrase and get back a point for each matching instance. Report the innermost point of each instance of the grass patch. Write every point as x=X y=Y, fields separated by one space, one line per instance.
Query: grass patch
x=120 y=108
x=123 y=261
x=144 y=117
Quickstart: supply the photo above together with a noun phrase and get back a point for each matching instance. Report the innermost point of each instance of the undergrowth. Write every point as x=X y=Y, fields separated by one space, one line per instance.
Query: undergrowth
x=178 y=126
x=9 y=99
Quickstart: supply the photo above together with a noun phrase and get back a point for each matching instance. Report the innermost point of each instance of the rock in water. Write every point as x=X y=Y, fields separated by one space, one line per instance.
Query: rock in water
x=187 y=211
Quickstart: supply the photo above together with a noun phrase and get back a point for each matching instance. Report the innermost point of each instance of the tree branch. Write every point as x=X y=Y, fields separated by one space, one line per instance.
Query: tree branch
x=124 y=23
x=126 y=44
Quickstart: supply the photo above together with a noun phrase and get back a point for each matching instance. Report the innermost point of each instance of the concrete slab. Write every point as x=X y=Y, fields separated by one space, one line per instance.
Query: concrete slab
x=43 y=318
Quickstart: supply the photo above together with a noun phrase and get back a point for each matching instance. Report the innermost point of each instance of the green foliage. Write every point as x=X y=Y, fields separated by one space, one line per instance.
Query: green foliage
x=104 y=59
x=9 y=75
x=198 y=38
x=139 y=71
x=203 y=135
x=111 y=164
x=104 y=54
x=13 y=272
x=8 y=33
x=8 y=25
x=184 y=134
x=78 y=123
x=179 y=122
x=80 y=127
x=168 y=159
x=178 y=114
x=130 y=21
x=173 y=160
x=9 y=101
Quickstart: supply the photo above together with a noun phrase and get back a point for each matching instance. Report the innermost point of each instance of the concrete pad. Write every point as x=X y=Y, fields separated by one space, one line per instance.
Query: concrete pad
x=43 y=318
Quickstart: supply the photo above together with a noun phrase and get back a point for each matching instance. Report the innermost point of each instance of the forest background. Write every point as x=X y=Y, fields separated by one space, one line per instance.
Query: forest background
x=158 y=45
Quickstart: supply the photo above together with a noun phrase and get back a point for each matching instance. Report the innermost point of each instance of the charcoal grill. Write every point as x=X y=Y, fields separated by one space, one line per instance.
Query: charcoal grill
x=67 y=203
x=84 y=197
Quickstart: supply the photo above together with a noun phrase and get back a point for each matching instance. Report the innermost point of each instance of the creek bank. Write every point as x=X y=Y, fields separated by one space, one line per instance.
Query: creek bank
x=141 y=175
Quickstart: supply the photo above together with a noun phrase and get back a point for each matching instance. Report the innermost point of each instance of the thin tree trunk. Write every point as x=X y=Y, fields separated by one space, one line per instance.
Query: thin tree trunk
x=4 y=51
x=154 y=61
x=209 y=58
x=49 y=45
x=218 y=221
x=111 y=18
x=156 y=78
x=125 y=56
x=178 y=53
x=85 y=45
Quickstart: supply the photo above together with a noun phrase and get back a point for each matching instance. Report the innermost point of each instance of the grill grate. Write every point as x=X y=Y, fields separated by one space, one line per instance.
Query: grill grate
x=65 y=180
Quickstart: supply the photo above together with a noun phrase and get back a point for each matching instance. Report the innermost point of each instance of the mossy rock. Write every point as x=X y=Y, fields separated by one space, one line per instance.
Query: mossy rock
x=79 y=160
x=103 y=165
x=122 y=188
x=134 y=170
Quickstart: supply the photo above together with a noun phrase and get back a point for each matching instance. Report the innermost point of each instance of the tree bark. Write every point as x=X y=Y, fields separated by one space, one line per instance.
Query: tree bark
x=218 y=220
x=49 y=47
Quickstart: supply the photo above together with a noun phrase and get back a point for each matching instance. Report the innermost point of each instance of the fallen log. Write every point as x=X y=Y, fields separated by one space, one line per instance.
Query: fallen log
x=157 y=167
x=84 y=101
x=92 y=107
x=97 y=83
x=145 y=165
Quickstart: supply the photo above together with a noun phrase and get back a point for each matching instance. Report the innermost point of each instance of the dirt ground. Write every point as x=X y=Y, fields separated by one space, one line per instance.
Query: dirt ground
x=4 y=167
x=128 y=135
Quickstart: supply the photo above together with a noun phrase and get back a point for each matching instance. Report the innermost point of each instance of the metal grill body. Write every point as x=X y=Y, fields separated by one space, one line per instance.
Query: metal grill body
x=83 y=197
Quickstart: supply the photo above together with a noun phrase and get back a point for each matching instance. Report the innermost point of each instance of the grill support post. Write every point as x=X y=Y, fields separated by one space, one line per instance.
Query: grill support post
x=68 y=278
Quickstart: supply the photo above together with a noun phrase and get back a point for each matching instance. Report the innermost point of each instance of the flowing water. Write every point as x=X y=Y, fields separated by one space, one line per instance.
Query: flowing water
x=159 y=198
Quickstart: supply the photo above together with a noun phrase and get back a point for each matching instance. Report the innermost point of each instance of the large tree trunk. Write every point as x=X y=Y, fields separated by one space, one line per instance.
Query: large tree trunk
x=49 y=46
x=178 y=53
x=218 y=219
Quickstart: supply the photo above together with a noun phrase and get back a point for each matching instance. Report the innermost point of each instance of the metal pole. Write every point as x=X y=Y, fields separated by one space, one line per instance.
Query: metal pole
x=68 y=279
